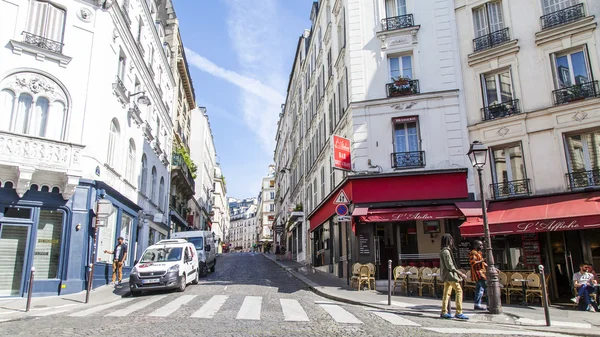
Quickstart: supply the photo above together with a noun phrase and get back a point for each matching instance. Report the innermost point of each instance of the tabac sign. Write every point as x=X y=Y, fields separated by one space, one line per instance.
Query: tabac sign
x=341 y=153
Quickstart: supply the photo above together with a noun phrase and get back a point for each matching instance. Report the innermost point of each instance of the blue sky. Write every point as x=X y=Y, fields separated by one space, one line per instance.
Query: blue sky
x=240 y=54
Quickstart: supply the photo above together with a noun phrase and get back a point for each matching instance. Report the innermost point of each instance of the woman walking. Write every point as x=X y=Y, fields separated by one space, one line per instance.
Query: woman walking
x=451 y=277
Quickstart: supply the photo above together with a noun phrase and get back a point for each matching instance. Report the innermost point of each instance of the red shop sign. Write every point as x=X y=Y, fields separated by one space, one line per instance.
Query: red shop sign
x=341 y=153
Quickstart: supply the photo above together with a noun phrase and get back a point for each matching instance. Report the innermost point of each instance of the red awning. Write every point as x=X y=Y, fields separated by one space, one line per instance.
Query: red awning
x=411 y=213
x=545 y=214
x=360 y=211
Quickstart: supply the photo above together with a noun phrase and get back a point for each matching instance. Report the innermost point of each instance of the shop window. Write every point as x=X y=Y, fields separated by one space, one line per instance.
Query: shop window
x=46 y=257
x=300 y=234
x=107 y=238
x=583 y=155
x=126 y=227
x=13 y=245
x=17 y=212
x=508 y=172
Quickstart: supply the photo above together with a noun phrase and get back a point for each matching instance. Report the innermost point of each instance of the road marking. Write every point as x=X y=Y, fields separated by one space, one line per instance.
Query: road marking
x=250 y=308
x=292 y=310
x=135 y=306
x=528 y=321
x=172 y=306
x=399 y=304
x=339 y=314
x=48 y=313
x=100 y=308
x=495 y=332
x=225 y=288
x=393 y=318
x=211 y=307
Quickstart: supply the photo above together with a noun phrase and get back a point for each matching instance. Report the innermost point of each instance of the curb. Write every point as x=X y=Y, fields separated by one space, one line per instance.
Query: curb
x=486 y=317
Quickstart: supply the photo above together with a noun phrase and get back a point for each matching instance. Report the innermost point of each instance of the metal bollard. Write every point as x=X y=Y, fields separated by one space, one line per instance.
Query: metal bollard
x=544 y=295
x=389 y=282
x=30 y=291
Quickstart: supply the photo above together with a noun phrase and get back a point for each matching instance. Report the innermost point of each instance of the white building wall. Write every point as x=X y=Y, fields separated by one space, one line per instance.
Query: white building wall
x=203 y=153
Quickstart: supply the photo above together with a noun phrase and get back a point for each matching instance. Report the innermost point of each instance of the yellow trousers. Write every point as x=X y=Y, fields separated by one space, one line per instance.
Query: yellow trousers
x=448 y=286
x=117 y=268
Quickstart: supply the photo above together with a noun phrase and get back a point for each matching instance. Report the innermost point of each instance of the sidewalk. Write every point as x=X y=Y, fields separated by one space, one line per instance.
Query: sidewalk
x=14 y=308
x=329 y=286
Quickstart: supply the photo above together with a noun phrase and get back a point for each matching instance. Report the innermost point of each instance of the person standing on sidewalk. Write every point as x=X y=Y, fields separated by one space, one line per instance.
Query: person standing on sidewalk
x=451 y=277
x=478 y=266
x=277 y=252
x=119 y=256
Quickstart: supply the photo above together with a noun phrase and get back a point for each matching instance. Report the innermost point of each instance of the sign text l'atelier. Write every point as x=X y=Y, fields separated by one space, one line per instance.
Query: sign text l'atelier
x=399 y=217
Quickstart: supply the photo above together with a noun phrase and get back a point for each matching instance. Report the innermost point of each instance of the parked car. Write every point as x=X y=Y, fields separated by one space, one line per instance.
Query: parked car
x=168 y=264
x=203 y=241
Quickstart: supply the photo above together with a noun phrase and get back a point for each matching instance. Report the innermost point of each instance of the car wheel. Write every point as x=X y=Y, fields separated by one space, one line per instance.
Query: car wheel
x=182 y=284
x=203 y=269
x=197 y=278
x=212 y=269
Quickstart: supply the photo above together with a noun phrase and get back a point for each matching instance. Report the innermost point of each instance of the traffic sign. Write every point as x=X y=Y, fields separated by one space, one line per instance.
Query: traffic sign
x=341 y=210
x=341 y=199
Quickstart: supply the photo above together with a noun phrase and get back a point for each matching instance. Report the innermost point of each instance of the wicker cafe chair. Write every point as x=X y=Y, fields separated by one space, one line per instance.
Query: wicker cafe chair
x=414 y=278
x=426 y=281
x=372 y=274
x=440 y=282
x=514 y=287
x=534 y=287
x=355 y=270
x=363 y=276
x=503 y=279
x=399 y=279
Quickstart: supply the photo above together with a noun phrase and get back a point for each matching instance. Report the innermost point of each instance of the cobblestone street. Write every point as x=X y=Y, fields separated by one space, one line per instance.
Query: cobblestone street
x=247 y=295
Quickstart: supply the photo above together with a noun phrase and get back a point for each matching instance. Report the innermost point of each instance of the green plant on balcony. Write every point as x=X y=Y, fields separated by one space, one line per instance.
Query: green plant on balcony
x=298 y=208
x=400 y=81
x=182 y=151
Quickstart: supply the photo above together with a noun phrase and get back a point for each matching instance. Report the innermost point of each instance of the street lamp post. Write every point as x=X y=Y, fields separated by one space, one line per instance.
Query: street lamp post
x=478 y=155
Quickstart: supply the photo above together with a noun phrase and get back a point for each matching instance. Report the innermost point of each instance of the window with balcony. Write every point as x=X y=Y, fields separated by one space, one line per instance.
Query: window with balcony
x=396 y=15
x=508 y=172
x=560 y=12
x=131 y=161
x=322 y=182
x=583 y=155
x=154 y=179
x=45 y=26
x=489 y=26
x=407 y=149
x=315 y=189
x=272 y=195
x=144 y=175
x=498 y=97
x=401 y=75
x=113 y=139
x=573 y=76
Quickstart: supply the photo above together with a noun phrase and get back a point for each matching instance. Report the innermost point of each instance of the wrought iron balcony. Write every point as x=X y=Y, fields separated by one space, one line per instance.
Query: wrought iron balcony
x=584 y=179
x=179 y=206
x=138 y=43
x=562 y=17
x=491 y=40
x=179 y=164
x=120 y=90
x=403 y=160
x=159 y=90
x=513 y=188
x=148 y=132
x=501 y=110
x=126 y=15
x=576 y=92
x=397 y=22
x=135 y=114
x=42 y=42
x=402 y=88
x=151 y=71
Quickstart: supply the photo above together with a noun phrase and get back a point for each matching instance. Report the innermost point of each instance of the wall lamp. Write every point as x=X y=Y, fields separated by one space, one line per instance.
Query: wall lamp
x=142 y=99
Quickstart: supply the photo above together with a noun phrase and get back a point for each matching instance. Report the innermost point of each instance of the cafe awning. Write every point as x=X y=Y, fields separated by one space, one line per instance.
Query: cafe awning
x=539 y=214
x=411 y=213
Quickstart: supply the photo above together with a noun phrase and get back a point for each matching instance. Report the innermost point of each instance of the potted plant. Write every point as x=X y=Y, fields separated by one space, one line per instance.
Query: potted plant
x=400 y=81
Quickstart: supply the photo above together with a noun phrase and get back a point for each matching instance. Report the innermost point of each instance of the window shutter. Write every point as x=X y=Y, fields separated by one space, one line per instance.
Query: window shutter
x=495 y=13
x=55 y=23
x=480 y=22
x=37 y=16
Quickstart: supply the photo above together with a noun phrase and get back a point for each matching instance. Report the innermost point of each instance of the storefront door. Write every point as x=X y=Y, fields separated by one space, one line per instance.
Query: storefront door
x=13 y=255
x=386 y=248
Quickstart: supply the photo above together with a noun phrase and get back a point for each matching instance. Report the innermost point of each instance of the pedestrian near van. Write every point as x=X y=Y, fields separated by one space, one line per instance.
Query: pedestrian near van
x=451 y=277
x=119 y=256
x=277 y=252
x=478 y=267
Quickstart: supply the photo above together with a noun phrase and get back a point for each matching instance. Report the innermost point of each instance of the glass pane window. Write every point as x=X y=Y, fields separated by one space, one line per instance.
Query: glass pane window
x=7 y=103
x=488 y=18
x=126 y=227
x=401 y=67
x=46 y=20
x=583 y=151
x=112 y=142
x=395 y=8
x=572 y=69
x=551 y=6
x=497 y=88
x=13 y=248
x=107 y=238
x=406 y=137
x=46 y=257
x=509 y=164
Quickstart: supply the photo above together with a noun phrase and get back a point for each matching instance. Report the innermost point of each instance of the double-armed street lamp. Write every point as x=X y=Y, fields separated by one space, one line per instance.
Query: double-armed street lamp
x=478 y=154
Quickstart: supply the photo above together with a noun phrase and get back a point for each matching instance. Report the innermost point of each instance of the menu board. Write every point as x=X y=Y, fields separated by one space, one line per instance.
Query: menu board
x=531 y=250
x=531 y=247
x=533 y=260
x=364 y=247
x=529 y=236
x=464 y=249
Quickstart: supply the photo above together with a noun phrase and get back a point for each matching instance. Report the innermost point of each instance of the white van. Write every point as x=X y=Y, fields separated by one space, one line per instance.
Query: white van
x=168 y=264
x=205 y=245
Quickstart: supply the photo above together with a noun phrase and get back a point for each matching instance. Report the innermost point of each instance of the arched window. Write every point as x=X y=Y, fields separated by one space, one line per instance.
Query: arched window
x=144 y=175
x=113 y=137
x=153 y=190
x=130 y=161
x=34 y=105
x=161 y=193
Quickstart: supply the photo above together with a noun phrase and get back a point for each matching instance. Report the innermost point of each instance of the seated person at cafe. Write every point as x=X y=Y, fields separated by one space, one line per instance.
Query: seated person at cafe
x=583 y=282
x=521 y=264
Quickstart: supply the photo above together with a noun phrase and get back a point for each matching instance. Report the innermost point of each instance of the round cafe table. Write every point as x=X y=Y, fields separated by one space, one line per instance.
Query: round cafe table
x=523 y=281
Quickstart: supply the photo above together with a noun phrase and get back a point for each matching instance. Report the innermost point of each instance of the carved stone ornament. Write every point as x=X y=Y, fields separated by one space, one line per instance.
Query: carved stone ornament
x=403 y=106
x=85 y=14
x=580 y=116
x=34 y=84
x=503 y=131
x=115 y=35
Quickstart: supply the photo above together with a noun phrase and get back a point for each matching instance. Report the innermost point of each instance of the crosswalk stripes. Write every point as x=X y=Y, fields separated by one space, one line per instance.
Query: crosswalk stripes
x=172 y=306
x=100 y=308
x=292 y=311
x=250 y=308
x=211 y=307
x=495 y=332
x=48 y=313
x=393 y=318
x=136 y=306
x=339 y=314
